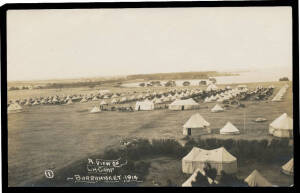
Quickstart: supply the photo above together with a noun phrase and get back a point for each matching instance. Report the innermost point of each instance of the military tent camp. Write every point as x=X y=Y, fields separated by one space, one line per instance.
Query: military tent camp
x=144 y=106
x=195 y=123
x=184 y=104
x=288 y=168
x=255 y=179
x=282 y=126
x=219 y=158
x=229 y=128
x=217 y=108
x=192 y=178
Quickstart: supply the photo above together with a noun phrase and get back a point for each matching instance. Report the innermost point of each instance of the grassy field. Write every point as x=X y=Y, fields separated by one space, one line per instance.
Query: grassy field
x=53 y=137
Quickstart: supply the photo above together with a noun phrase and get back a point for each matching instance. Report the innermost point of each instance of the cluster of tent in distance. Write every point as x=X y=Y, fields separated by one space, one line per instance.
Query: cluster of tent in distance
x=211 y=94
x=181 y=100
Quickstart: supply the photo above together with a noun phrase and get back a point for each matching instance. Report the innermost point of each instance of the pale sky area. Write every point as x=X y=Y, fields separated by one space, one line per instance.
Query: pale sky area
x=53 y=44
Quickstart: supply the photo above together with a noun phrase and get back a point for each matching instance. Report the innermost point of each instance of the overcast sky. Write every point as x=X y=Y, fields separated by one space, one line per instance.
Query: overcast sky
x=51 y=44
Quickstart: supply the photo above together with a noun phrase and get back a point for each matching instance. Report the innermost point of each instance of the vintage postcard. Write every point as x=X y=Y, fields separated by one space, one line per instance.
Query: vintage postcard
x=150 y=96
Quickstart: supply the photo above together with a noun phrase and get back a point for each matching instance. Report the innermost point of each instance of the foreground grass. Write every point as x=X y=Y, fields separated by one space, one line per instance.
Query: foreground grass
x=158 y=163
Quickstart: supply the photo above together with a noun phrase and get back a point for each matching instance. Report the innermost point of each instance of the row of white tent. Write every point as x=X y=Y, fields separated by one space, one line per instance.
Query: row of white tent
x=221 y=160
x=197 y=122
x=280 y=94
x=149 y=105
x=227 y=95
x=160 y=97
x=280 y=127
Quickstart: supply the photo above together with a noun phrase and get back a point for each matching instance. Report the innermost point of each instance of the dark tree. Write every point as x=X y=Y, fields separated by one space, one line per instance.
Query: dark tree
x=210 y=172
x=284 y=79
x=201 y=181
x=231 y=180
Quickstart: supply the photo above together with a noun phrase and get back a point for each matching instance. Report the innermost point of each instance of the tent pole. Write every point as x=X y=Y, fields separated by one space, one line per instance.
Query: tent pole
x=245 y=121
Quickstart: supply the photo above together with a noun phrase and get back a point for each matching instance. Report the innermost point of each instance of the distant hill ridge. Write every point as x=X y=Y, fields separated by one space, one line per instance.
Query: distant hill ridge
x=116 y=80
x=179 y=75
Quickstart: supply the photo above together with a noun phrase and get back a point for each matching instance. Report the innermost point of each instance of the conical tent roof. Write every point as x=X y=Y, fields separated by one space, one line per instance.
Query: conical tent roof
x=192 y=178
x=283 y=122
x=229 y=128
x=215 y=155
x=114 y=100
x=95 y=98
x=196 y=121
x=35 y=102
x=14 y=107
x=83 y=100
x=255 y=179
x=103 y=103
x=289 y=166
x=95 y=110
x=217 y=108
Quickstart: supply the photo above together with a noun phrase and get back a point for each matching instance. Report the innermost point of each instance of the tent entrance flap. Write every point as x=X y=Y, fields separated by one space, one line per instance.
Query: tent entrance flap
x=182 y=107
x=189 y=131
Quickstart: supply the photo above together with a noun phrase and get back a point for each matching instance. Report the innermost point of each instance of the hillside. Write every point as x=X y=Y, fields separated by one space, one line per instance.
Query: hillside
x=179 y=75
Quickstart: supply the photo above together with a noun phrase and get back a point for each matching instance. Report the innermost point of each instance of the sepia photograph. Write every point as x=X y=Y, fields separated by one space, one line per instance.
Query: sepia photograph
x=150 y=97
